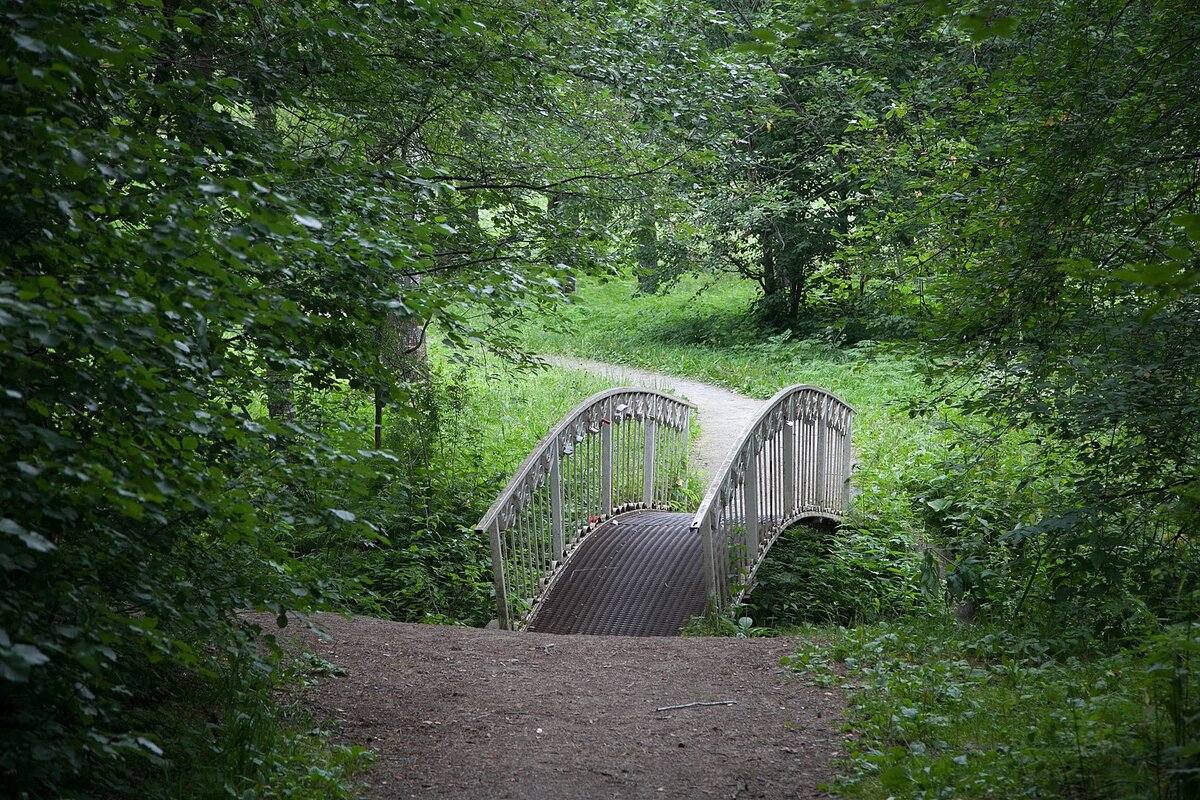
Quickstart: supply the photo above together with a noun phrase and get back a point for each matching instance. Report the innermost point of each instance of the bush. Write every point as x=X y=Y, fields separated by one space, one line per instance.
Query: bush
x=835 y=576
x=945 y=711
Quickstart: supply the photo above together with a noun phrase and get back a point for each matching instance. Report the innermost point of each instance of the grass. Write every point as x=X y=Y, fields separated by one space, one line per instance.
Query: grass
x=507 y=411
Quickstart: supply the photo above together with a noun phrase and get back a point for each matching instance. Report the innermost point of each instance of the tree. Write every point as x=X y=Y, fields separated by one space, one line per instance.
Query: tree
x=781 y=204
x=211 y=214
x=1057 y=224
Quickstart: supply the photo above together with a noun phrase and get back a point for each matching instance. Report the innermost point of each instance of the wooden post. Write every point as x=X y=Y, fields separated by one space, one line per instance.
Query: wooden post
x=750 y=493
x=502 y=616
x=606 y=461
x=649 y=461
x=556 y=504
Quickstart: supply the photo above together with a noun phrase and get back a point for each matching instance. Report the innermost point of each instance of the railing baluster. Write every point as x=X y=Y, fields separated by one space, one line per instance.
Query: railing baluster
x=546 y=515
x=707 y=555
x=750 y=498
x=498 y=556
x=648 y=466
x=821 y=467
x=789 y=468
x=606 y=463
x=558 y=546
x=847 y=461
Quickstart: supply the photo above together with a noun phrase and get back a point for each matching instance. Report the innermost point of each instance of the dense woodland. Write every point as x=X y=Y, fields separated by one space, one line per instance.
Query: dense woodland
x=265 y=261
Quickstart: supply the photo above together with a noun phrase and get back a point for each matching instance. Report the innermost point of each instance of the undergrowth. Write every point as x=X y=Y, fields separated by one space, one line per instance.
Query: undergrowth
x=447 y=452
x=940 y=710
x=237 y=728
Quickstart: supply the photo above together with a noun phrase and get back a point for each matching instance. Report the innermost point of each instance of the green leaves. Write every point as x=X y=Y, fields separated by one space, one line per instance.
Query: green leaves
x=33 y=541
x=209 y=218
x=17 y=661
x=1190 y=224
x=981 y=25
x=312 y=223
x=763 y=42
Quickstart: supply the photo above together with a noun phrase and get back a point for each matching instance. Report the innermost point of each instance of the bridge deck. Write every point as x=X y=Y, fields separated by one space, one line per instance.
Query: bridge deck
x=640 y=574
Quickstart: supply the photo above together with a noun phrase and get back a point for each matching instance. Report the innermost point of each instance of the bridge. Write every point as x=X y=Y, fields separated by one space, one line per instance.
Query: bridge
x=596 y=531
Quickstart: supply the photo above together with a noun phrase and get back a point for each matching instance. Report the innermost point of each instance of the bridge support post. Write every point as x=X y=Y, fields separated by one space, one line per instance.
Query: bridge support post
x=714 y=601
x=648 y=461
x=847 y=462
x=502 y=616
x=750 y=493
x=789 y=467
x=606 y=462
x=820 y=467
x=556 y=504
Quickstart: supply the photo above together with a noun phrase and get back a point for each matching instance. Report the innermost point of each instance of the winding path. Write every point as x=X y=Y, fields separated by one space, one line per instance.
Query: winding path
x=722 y=414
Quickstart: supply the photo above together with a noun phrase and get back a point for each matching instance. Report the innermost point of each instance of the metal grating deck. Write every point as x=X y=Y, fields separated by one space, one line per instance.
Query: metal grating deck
x=639 y=574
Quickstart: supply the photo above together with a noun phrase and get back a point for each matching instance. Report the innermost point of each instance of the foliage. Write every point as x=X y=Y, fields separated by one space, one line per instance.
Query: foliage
x=244 y=732
x=980 y=712
x=1053 y=230
x=780 y=203
x=211 y=215
x=227 y=226
x=451 y=454
x=722 y=624
x=846 y=576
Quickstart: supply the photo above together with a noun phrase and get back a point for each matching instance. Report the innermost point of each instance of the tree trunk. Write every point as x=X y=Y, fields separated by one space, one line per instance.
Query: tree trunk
x=280 y=388
x=646 y=237
x=402 y=352
x=281 y=404
x=562 y=211
x=770 y=281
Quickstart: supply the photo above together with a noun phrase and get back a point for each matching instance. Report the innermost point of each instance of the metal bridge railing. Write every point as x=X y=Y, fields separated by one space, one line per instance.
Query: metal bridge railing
x=792 y=462
x=617 y=451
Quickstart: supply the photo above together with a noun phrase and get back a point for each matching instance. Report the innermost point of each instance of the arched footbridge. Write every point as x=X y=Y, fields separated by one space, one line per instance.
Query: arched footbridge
x=595 y=532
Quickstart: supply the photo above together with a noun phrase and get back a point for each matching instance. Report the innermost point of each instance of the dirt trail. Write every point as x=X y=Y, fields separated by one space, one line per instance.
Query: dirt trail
x=722 y=414
x=469 y=713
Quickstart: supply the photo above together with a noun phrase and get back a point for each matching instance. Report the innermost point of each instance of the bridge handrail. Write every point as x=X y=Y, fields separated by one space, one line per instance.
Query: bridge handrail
x=792 y=461
x=619 y=450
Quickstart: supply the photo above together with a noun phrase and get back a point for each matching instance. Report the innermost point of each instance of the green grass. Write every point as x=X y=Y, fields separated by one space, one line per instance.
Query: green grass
x=506 y=410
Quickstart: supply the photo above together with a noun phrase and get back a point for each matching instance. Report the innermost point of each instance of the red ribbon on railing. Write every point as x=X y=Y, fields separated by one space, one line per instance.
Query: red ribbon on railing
x=605 y=421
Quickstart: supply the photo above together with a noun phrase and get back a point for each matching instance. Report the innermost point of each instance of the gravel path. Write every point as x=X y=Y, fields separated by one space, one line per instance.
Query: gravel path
x=722 y=414
x=480 y=714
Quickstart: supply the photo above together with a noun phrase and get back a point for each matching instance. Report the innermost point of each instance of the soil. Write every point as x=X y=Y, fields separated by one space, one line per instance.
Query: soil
x=471 y=713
